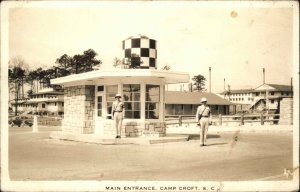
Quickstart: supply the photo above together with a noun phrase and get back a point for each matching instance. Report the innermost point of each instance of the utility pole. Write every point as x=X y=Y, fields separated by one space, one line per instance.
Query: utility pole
x=224 y=88
x=228 y=92
x=267 y=99
x=264 y=76
x=291 y=86
x=266 y=93
x=209 y=79
x=233 y=107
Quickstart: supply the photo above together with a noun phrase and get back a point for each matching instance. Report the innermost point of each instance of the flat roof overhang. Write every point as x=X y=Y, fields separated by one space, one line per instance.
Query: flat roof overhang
x=49 y=93
x=169 y=77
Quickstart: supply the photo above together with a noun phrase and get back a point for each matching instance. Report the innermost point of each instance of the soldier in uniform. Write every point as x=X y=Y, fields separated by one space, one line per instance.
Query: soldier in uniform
x=203 y=117
x=117 y=114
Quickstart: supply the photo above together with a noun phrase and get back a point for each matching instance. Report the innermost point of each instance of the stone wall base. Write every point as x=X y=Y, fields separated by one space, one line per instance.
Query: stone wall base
x=79 y=104
x=136 y=128
x=286 y=111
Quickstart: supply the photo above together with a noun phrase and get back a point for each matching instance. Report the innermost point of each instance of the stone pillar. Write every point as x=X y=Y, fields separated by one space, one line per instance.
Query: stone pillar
x=286 y=111
x=79 y=103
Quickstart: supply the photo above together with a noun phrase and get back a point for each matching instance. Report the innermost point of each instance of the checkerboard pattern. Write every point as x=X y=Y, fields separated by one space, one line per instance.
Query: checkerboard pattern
x=144 y=47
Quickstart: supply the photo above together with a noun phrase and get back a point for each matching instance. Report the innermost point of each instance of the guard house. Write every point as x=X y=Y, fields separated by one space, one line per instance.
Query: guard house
x=88 y=97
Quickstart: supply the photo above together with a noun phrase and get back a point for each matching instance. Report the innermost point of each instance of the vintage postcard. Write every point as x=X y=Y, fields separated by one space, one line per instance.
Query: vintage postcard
x=149 y=96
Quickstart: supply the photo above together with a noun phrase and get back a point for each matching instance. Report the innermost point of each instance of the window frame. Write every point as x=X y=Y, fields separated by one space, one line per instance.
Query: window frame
x=136 y=110
x=108 y=100
x=155 y=102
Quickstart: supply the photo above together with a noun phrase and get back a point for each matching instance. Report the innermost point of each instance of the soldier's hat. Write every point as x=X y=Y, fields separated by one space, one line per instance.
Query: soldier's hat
x=118 y=96
x=203 y=100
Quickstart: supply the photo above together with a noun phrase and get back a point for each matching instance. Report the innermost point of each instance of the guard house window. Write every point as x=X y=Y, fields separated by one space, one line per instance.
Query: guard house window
x=111 y=91
x=152 y=102
x=272 y=93
x=99 y=106
x=43 y=105
x=256 y=94
x=100 y=88
x=132 y=101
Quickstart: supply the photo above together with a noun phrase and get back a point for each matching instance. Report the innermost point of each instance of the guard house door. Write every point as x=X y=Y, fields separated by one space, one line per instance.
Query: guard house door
x=99 y=116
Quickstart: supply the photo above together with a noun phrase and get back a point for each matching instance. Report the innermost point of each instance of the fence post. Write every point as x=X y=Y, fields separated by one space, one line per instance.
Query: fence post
x=180 y=120
x=261 y=119
x=35 y=127
x=242 y=119
x=220 y=119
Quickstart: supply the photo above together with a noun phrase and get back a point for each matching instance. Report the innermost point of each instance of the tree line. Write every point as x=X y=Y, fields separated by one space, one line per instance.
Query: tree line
x=19 y=73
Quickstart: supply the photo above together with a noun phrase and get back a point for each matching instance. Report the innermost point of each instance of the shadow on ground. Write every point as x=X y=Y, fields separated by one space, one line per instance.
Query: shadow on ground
x=194 y=136
x=217 y=144
x=197 y=136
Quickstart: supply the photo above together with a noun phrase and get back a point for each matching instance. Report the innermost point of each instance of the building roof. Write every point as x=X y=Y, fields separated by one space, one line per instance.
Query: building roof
x=139 y=36
x=177 y=97
x=277 y=87
x=49 y=93
x=281 y=87
x=238 y=91
x=90 y=78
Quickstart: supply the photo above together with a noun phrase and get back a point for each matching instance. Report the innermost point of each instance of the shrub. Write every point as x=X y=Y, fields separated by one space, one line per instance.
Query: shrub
x=17 y=122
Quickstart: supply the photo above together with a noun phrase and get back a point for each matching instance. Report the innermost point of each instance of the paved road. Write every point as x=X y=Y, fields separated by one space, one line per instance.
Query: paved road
x=254 y=156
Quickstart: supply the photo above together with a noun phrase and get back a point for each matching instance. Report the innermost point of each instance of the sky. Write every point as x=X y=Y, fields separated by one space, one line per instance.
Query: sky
x=236 y=42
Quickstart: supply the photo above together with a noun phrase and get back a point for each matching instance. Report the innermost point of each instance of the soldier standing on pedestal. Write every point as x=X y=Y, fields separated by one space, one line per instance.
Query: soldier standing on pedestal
x=117 y=114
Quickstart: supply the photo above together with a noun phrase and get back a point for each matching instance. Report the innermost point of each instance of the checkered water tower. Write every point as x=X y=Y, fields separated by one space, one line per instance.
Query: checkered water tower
x=142 y=46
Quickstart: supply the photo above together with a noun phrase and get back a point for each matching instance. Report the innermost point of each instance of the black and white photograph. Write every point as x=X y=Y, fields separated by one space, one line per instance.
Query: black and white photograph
x=150 y=96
